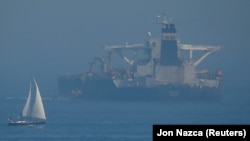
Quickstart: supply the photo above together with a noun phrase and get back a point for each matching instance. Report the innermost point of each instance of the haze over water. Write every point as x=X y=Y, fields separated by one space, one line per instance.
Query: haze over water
x=49 y=38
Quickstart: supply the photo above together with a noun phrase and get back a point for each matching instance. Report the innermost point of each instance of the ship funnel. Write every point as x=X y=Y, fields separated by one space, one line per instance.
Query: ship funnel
x=169 y=49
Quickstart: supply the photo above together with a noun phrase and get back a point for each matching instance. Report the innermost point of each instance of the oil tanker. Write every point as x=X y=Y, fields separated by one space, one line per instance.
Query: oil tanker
x=160 y=69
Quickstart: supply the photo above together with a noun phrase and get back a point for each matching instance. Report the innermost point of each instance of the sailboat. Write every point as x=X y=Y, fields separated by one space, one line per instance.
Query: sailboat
x=33 y=112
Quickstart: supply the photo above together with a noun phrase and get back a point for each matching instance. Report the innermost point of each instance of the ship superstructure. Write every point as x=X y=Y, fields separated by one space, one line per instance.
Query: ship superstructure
x=159 y=68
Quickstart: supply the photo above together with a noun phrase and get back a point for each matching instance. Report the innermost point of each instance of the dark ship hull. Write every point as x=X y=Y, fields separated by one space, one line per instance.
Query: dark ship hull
x=104 y=89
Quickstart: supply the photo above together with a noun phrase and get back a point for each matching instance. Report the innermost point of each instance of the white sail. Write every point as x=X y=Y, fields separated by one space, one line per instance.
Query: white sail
x=27 y=109
x=38 y=109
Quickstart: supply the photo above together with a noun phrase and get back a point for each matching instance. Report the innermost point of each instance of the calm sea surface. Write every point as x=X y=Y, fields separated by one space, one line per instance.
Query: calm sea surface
x=82 y=120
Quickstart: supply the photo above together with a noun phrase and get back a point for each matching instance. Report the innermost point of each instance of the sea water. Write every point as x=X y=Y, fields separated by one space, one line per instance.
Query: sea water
x=83 y=120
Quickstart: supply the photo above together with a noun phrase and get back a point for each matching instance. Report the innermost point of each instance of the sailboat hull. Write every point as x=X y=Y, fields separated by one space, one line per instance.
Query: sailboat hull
x=23 y=123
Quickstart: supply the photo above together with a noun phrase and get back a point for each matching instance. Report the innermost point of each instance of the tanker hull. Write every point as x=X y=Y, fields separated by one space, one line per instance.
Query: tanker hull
x=104 y=89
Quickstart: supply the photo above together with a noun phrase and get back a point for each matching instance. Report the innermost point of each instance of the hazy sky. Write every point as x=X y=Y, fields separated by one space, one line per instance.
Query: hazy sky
x=47 y=38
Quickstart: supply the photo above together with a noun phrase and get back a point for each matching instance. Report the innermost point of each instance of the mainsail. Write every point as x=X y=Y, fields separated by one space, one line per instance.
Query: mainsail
x=37 y=111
